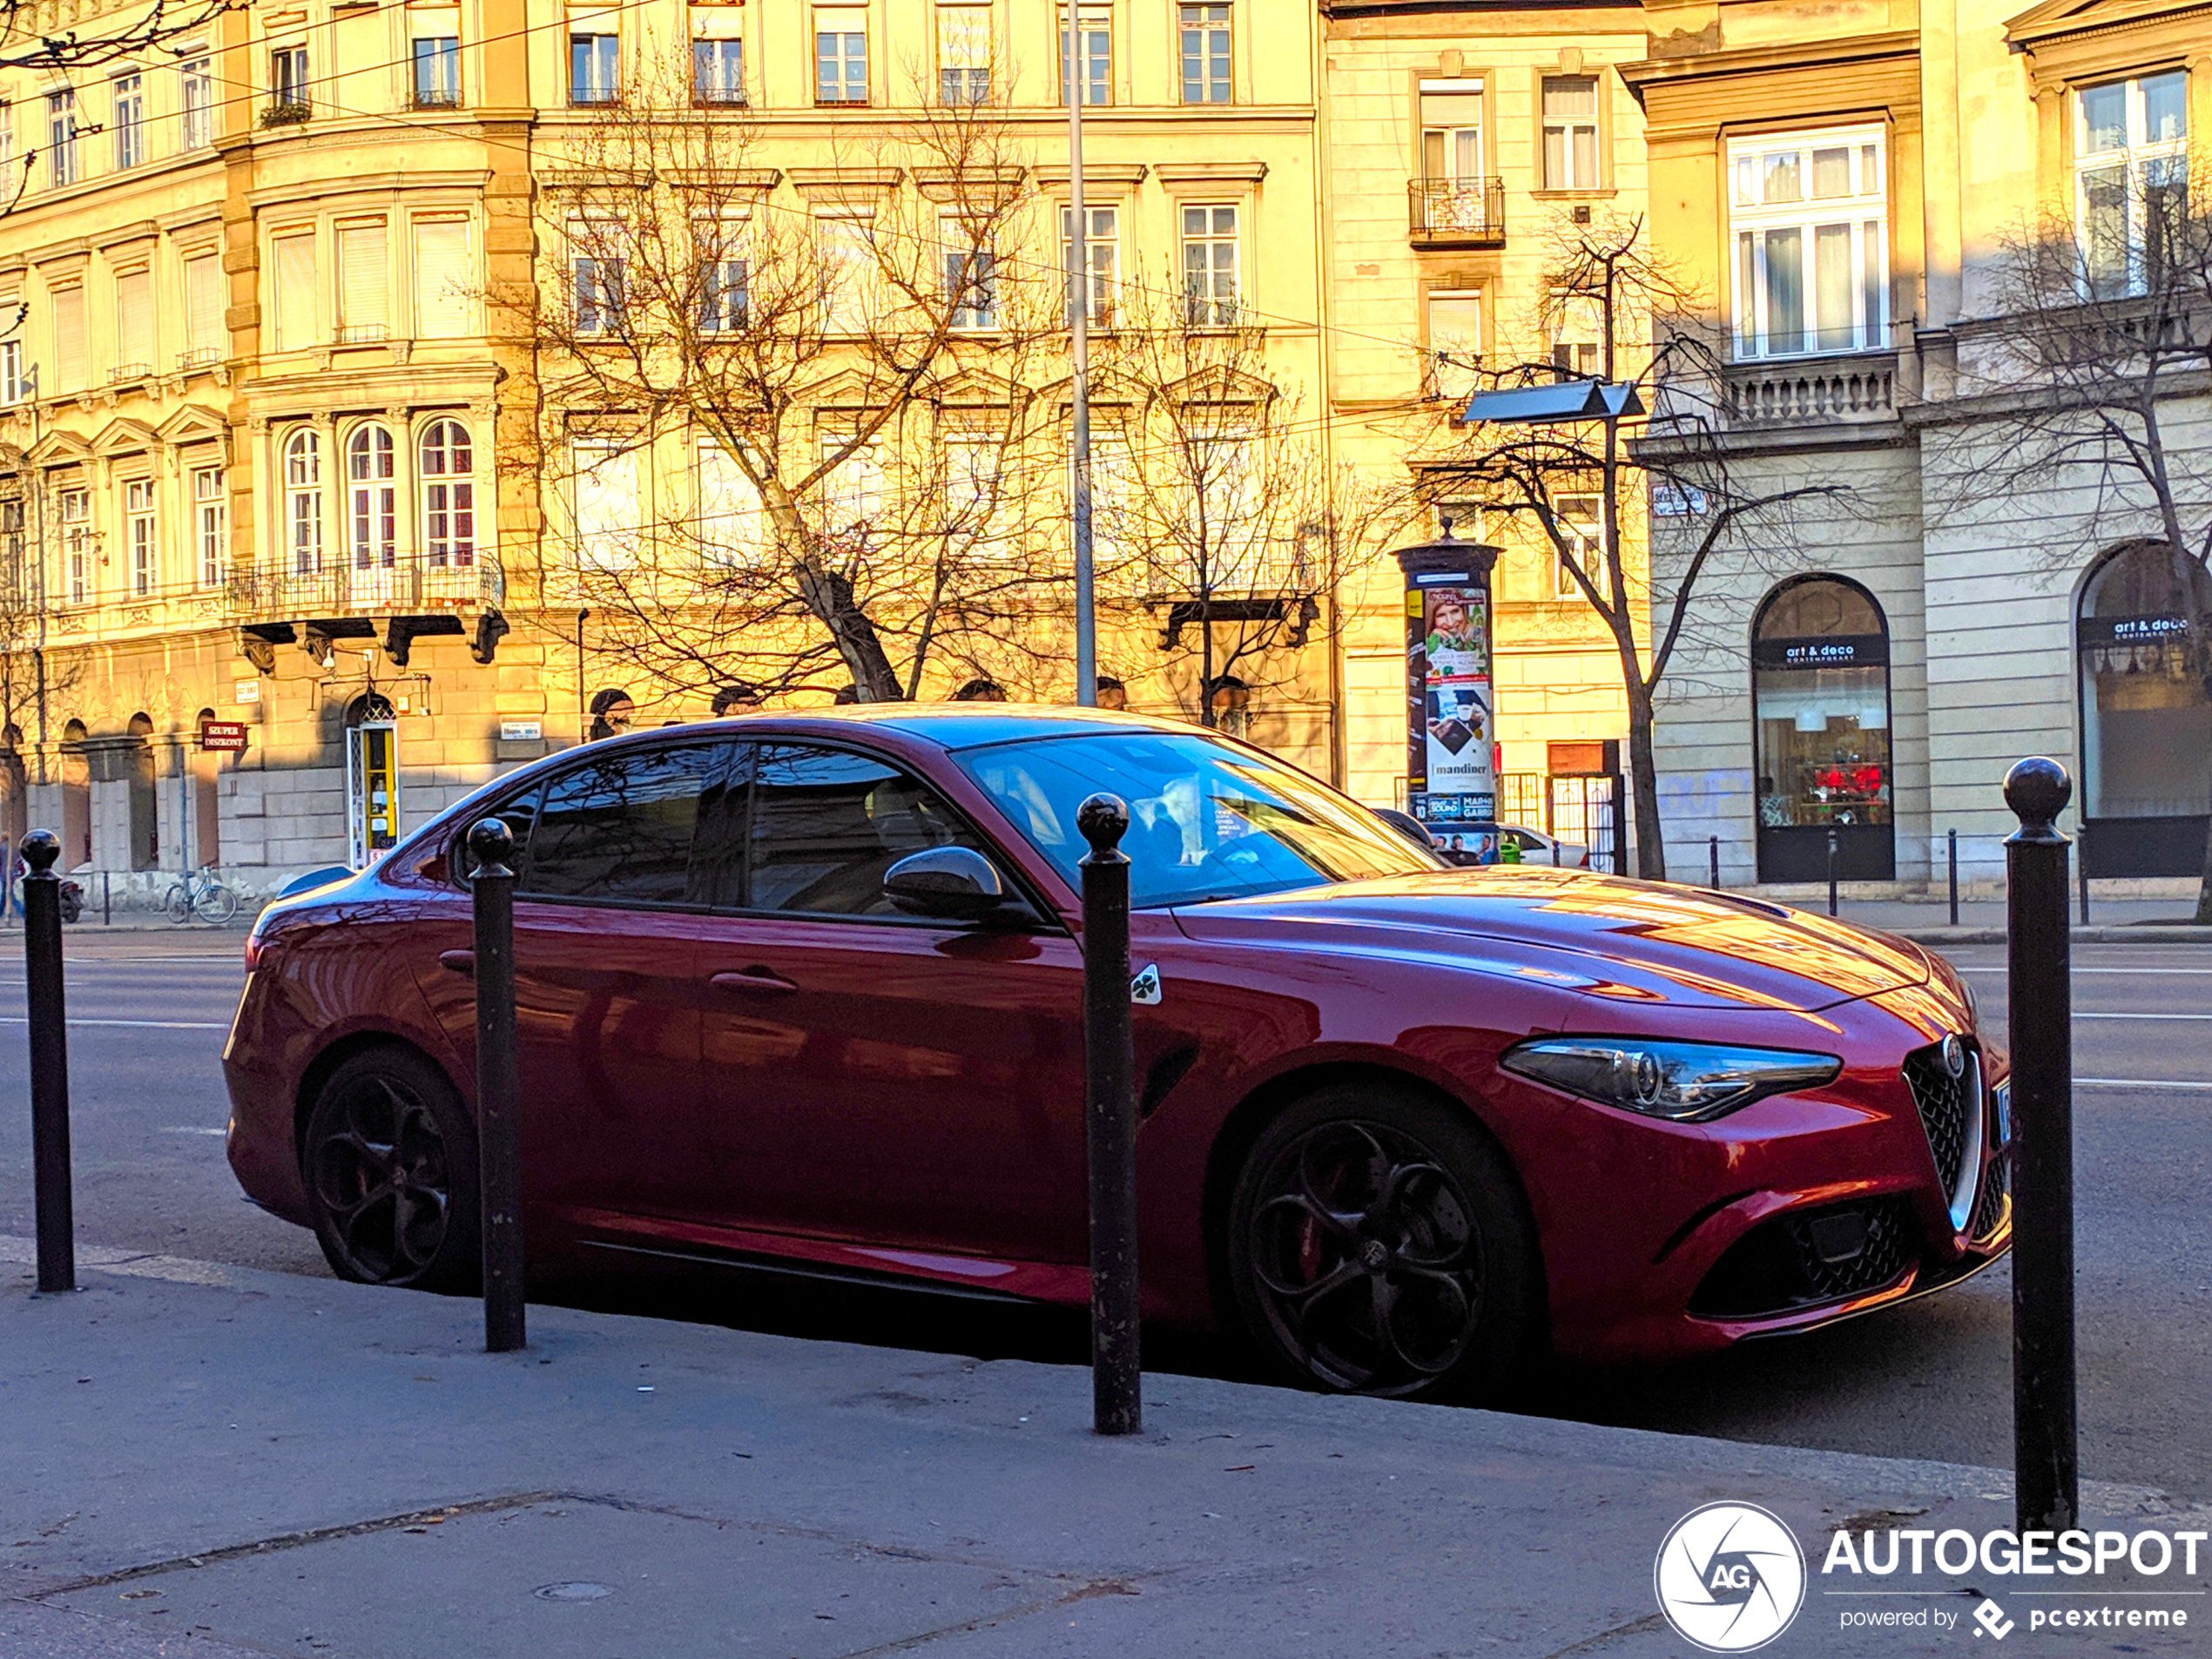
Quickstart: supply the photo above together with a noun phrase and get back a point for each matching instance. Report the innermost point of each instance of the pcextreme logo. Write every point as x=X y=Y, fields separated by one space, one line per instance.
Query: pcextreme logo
x=1730 y=1577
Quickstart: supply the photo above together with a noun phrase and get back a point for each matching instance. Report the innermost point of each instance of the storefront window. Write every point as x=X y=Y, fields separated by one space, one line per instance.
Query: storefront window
x=1820 y=697
x=2145 y=721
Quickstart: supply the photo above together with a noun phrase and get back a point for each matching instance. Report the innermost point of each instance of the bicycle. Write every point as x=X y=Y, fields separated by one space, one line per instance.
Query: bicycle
x=201 y=894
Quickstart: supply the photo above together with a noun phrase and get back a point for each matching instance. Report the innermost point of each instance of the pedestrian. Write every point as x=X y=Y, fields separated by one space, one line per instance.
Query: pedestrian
x=980 y=689
x=611 y=713
x=738 y=696
x=1112 y=694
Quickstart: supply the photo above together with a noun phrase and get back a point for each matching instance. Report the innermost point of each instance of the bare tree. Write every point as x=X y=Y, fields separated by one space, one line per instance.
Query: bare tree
x=1674 y=464
x=2104 y=352
x=861 y=390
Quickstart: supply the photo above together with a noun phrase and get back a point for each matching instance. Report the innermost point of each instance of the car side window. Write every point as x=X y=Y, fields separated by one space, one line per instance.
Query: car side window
x=619 y=827
x=826 y=824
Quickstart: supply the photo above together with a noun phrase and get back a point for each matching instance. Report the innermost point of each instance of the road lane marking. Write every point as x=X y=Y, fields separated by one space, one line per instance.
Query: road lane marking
x=191 y=1129
x=142 y=1025
x=2136 y=1082
x=1996 y=969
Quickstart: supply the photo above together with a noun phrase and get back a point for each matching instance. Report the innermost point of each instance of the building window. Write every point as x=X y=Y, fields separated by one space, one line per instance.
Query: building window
x=1571 y=133
x=1452 y=134
x=1204 y=30
x=444 y=301
x=293 y=290
x=137 y=534
x=134 y=347
x=718 y=70
x=448 y=494
x=436 y=60
x=7 y=137
x=196 y=97
x=206 y=339
x=592 y=74
x=730 y=522
x=1578 y=336
x=68 y=307
x=77 y=543
x=963 y=55
x=303 y=500
x=1454 y=343
x=2131 y=179
x=606 y=505
x=847 y=265
x=2146 y=720
x=364 y=282
x=1808 y=217
x=61 y=136
x=130 y=120
x=209 y=516
x=971 y=275
x=1581 y=525
x=1094 y=41
x=724 y=274
x=1102 y=257
x=841 y=56
x=371 y=499
x=13 y=388
x=287 y=85
x=596 y=272
x=852 y=499
x=1820 y=694
x=1209 y=294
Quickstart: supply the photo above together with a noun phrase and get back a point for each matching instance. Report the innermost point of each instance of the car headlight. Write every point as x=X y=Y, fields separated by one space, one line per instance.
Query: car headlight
x=1686 y=1083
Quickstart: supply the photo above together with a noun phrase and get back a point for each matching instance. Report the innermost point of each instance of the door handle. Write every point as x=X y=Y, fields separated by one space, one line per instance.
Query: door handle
x=463 y=963
x=762 y=981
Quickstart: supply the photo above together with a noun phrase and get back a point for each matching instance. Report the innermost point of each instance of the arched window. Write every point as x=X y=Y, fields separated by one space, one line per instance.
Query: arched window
x=2142 y=633
x=448 y=494
x=1820 y=693
x=76 y=797
x=146 y=803
x=303 y=500
x=371 y=499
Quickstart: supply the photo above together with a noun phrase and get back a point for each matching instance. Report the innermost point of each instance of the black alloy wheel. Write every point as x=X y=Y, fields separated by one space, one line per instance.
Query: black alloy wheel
x=1378 y=1245
x=389 y=1157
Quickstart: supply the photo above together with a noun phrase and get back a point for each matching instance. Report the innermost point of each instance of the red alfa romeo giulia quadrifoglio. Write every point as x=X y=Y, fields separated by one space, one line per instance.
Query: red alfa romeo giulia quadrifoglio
x=805 y=991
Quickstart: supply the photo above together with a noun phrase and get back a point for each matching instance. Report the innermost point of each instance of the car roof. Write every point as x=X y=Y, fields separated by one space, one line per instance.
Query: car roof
x=949 y=725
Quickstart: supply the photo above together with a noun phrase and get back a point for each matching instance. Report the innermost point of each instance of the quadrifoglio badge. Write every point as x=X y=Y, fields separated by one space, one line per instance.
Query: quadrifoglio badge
x=1730 y=1577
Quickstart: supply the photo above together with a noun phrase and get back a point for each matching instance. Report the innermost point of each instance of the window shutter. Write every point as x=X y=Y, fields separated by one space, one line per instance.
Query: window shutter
x=134 y=318
x=204 y=305
x=443 y=307
x=363 y=307
x=295 y=291
x=69 y=337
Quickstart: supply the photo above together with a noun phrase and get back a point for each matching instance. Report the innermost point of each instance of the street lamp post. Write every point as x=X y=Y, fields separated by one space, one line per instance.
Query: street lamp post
x=1079 y=353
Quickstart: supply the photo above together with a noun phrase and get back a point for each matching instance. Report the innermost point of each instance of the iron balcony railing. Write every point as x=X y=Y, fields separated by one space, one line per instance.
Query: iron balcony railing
x=411 y=582
x=1457 y=212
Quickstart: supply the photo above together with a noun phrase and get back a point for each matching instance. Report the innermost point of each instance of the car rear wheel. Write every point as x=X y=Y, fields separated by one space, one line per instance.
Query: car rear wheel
x=390 y=1160
x=1378 y=1245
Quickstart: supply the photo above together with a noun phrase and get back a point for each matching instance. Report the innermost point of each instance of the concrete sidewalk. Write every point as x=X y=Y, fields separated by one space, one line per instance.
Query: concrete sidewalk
x=202 y=1460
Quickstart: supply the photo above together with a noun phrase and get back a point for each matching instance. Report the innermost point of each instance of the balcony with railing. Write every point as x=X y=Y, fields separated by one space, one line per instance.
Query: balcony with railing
x=1798 y=391
x=1456 y=213
x=411 y=582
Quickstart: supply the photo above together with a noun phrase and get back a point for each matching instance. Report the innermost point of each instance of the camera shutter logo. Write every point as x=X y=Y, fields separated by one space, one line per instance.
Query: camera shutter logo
x=1730 y=1577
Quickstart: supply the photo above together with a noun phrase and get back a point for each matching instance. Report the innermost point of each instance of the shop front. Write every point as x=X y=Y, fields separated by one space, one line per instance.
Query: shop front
x=1820 y=694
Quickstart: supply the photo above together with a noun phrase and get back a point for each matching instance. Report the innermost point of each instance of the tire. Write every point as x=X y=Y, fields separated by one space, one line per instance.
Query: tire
x=178 y=903
x=1378 y=1244
x=388 y=1155
x=216 y=904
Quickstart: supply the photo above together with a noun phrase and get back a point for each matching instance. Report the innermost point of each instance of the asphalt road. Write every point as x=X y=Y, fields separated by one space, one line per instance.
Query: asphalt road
x=1929 y=1379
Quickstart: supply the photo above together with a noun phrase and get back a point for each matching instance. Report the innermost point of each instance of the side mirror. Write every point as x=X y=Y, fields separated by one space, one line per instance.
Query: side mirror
x=1407 y=825
x=945 y=884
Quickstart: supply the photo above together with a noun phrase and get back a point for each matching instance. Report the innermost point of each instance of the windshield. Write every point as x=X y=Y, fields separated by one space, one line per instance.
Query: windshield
x=1206 y=820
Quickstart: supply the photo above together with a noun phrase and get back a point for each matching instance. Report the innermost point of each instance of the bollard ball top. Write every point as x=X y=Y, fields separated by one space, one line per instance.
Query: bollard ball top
x=490 y=841
x=1104 y=819
x=2037 y=789
x=40 y=849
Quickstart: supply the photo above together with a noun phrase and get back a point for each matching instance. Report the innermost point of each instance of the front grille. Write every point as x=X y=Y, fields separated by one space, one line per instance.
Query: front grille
x=1808 y=1258
x=1945 y=1104
x=1996 y=1187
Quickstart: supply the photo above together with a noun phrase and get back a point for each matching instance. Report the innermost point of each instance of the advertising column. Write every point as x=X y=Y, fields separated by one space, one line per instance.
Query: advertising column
x=1451 y=772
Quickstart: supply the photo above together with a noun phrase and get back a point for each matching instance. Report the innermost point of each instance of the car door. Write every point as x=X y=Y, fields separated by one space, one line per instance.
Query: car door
x=877 y=1077
x=608 y=910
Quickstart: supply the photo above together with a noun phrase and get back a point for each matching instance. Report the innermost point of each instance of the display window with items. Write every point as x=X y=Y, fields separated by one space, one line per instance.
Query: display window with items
x=1820 y=694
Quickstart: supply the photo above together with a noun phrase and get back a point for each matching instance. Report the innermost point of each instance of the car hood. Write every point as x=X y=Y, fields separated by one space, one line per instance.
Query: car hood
x=1599 y=935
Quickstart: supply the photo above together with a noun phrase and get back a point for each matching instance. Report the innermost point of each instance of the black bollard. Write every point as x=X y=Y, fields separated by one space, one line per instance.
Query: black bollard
x=1831 y=871
x=1109 y=1118
x=498 y=1090
x=48 y=1020
x=1715 y=852
x=1951 y=838
x=2044 y=1441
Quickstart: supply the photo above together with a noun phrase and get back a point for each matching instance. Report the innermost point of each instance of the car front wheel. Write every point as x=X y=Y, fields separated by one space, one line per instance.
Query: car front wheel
x=390 y=1160
x=1378 y=1245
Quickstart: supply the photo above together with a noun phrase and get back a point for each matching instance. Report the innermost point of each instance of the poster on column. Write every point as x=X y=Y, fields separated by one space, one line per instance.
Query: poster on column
x=1457 y=702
